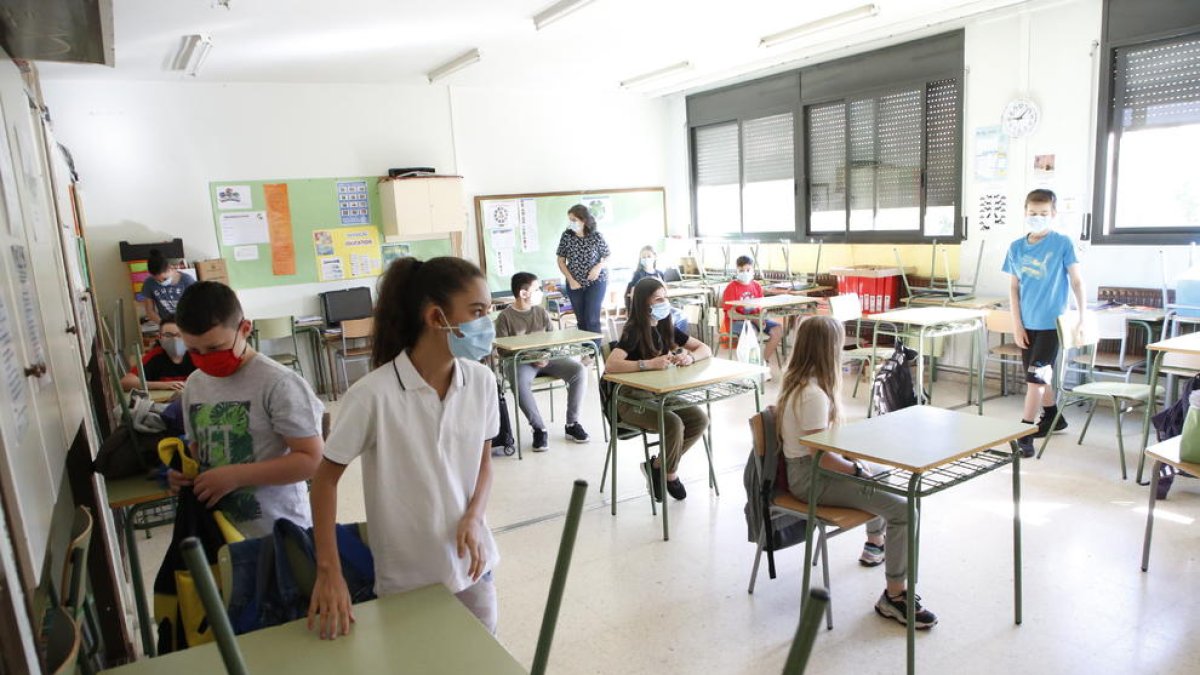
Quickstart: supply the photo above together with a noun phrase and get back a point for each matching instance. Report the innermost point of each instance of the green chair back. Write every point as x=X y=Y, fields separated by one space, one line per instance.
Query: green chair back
x=558 y=582
x=275 y=328
x=214 y=608
x=806 y=632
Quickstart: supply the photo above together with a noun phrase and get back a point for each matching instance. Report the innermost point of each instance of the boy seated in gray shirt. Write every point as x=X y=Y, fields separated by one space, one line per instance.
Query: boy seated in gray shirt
x=527 y=315
x=253 y=425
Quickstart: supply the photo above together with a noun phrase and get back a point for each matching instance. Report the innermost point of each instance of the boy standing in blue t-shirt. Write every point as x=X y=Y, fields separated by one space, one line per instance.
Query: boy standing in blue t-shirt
x=1041 y=265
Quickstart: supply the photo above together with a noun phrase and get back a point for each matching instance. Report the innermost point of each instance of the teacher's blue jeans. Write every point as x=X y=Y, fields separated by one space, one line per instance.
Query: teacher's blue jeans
x=586 y=302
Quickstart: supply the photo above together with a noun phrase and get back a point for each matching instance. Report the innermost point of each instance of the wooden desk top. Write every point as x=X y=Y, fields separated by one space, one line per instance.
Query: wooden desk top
x=133 y=491
x=965 y=303
x=423 y=631
x=164 y=395
x=774 y=301
x=1183 y=344
x=928 y=316
x=704 y=373
x=686 y=291
x=918 y=438
x=1135 y=314
x=1168 y=453
x=787 y=290
x=546 y=339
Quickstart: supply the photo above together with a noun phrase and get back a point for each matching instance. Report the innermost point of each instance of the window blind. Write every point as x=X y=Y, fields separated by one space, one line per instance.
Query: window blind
x=717 y=154
x=768 y=148
x=1157 y=85
x=941 y=143
x=827 y=164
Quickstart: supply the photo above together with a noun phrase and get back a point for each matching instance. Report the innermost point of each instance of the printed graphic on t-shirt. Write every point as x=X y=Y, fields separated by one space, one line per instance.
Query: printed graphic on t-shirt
x=1033 y=267
x=167 y=297
x=222 y=435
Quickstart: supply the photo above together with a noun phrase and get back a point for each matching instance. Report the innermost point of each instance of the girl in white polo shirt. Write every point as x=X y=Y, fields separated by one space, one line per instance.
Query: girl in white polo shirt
x=421 y=421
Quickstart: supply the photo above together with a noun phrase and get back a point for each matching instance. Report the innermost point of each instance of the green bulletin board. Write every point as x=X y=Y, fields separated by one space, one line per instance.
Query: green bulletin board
x=313 y=206
x=629 y=219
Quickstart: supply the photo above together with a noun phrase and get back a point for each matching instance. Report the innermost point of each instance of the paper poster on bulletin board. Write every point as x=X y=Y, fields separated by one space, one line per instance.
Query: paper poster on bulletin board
x=347 y=253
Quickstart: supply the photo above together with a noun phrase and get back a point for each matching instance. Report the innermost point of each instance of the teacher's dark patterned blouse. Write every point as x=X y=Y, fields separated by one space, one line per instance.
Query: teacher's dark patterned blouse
x=582 y=254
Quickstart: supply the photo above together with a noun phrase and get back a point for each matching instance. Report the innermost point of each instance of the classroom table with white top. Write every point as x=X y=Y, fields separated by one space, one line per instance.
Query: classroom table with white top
x=426 y=631
x=782 y=305
x=936 y=322
x=928 y=450
x=703 y=383
x=518 y=350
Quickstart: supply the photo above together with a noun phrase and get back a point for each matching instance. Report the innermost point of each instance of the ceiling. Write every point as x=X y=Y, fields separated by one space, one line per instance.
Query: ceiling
x=595 y=48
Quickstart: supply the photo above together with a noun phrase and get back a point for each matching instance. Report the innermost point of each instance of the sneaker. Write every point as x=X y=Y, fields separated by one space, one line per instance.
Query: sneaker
x=872 y=555
x=894 y=608
x=1025 y=443
x=541 y=440
x=576 y=433
x=1044 y=426
x=651 y=473
x=675 y=489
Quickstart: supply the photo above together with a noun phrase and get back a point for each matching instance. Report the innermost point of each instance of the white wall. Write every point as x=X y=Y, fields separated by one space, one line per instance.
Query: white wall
x=147 y=151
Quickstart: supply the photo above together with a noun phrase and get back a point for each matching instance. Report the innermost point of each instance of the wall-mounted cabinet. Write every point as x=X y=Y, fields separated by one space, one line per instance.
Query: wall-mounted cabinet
x=427 y=207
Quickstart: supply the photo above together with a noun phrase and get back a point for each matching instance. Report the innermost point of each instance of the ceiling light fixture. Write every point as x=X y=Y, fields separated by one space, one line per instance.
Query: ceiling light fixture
x=453 y=66
x=191 y=55
x=856 y=14
x=557 y=11
x=656 y=74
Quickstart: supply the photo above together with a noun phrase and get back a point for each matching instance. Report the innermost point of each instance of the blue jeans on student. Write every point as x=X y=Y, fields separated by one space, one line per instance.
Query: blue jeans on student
x=586 y=302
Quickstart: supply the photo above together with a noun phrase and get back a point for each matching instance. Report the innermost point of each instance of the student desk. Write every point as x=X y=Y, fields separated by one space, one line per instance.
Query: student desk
x=703 y=383
x=783 y=305
x=426 y=631
x=1185 y=345
x=788 y=289
x=546 y=346
x=701 y=293
x=960 y=302
x=1166 y=453
x=126 y=497
x=929 y=449
x=935 y=322
x=163 y=395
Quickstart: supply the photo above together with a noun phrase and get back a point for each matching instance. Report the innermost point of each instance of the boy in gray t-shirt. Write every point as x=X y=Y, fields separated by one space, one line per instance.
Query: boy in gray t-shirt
x=525 y=316
x=254 y=425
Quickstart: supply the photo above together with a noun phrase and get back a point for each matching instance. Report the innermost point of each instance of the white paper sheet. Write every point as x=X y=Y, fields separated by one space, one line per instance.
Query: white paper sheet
x=30 y=311
x=14 y=376
x=331 y=269
x=245 y=253
x=234 y=197
x=504 y=239
x=243 y=228
x=529 y=226
x=504 y=262
x=500 y=213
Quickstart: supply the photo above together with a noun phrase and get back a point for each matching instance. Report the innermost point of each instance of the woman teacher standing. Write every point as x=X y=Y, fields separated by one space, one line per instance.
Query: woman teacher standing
x=583 y=259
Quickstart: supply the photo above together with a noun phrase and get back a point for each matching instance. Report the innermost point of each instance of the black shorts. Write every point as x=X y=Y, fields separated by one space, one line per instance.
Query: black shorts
x=1040 y=356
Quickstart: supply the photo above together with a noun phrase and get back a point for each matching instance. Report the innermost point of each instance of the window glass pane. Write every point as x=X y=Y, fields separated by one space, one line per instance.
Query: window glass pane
x=1157 y=181
x=768 y=196
x=718 y=199
x=827 y=168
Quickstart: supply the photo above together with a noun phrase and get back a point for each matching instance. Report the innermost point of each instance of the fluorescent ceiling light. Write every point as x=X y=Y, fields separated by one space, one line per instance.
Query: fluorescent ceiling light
x=191 y=55
x=558 y=11
x=453 y=66
x=856 y=14
x=656 y=74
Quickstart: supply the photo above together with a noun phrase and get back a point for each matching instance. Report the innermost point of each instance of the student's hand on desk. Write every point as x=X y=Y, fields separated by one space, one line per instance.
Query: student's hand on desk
x=684 y=359
x=470 y=536
x=331 y=602
x=1021 y=337
x=210 y=486
x=660 y=363
x=176 y=481
x=173 y=386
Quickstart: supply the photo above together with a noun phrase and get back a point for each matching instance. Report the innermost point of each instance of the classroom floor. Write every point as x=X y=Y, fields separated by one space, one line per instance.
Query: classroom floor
x=637 y=604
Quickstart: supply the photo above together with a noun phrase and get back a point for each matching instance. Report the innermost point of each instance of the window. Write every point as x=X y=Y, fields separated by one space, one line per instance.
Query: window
x=1150 y=184
x=885 y=164
x=745 y=177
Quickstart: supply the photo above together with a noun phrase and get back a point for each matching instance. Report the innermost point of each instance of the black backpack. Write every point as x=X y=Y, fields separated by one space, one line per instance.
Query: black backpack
x=763 y=481
x=893 y=388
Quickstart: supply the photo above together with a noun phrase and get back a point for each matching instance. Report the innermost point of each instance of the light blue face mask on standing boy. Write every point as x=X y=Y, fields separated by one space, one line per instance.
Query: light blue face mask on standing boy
x=476 y=341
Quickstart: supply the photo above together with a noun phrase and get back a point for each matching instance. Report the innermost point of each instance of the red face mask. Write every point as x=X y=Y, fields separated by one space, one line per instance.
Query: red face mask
x=221 y=363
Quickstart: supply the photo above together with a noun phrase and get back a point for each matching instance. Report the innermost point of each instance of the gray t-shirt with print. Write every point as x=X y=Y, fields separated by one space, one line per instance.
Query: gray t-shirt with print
x=244 y=418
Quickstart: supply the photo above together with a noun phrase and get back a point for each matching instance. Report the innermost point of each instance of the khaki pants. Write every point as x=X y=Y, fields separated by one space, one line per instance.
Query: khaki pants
x=681 y=429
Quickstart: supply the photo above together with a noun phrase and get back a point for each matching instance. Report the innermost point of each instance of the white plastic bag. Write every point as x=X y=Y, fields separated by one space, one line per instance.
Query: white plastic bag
x=748 y=350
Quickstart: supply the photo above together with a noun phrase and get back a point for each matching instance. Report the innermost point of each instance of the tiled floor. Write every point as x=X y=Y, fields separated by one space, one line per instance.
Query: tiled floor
x=636 y=604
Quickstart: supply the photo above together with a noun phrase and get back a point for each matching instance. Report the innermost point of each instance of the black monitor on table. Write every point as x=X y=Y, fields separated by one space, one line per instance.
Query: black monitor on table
x=672 y=275
x=346 y=305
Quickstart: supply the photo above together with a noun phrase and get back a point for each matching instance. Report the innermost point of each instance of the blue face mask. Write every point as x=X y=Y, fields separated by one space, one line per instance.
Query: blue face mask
x=660 y=310
x=476 y=341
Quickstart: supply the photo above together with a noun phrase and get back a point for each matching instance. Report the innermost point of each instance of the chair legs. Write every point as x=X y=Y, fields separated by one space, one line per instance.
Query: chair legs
x=820 y=555
x=1118 y=413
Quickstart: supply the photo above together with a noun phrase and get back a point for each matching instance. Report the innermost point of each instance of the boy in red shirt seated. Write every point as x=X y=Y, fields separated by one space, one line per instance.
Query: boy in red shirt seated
x=167 y=364
x=744 y=287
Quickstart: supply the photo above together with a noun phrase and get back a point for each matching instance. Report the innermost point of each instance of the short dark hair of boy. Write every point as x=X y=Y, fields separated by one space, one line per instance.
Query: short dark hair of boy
x=156 y=263
x=744 y=260
x=1042 y=196
x=206 y=305
x=521 y=281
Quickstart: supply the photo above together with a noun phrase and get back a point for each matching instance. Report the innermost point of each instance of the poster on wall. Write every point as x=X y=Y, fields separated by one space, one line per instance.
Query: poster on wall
x=993 y=210
x=991 y=154
x=354 y=208
x=234 y=197
x=244 y=228
x=529 y=226
x=347 y=253
x=279 y=229
x=1043 y=169
x=500 y=213
x=600 y=207
x=29 y=309
x=393 y=252
x=14 y=378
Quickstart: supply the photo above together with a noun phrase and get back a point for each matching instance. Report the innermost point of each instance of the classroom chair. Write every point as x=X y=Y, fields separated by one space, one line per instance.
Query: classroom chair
x=625 y=431
x=74 y=592
x=1092 y=361
x=1000 y=321
x=352 y=330
x=62 y=639
x=806 y=631
x=847 y=307
x=214 y=608
x=558 y=581
x=280 y=328
x=1123 y=396
x=777 y=500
